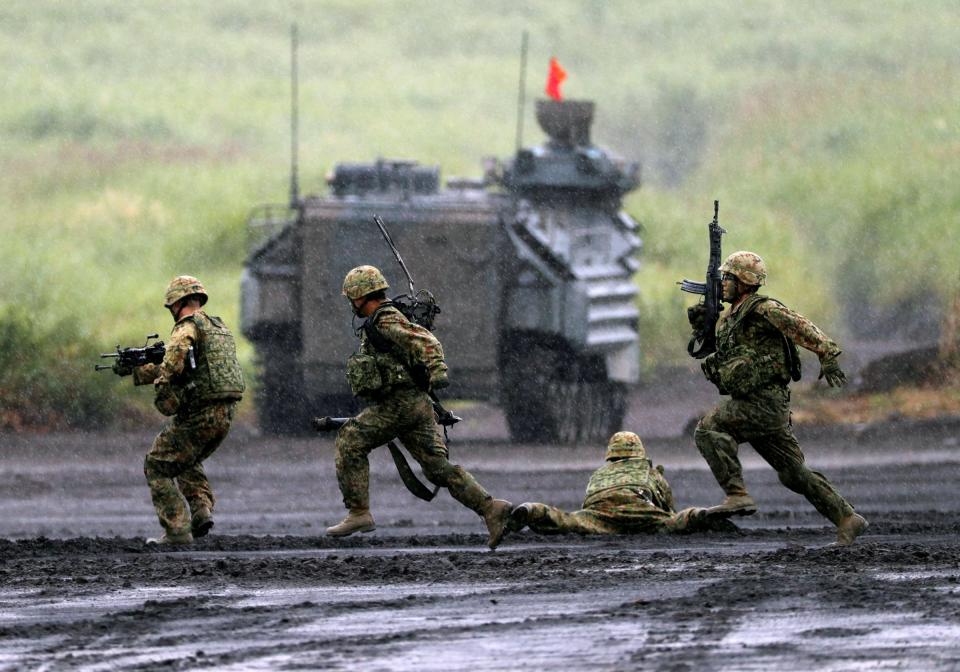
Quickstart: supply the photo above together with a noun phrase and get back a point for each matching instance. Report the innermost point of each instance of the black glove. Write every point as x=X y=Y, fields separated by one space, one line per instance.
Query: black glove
x=830 y=369
x=697 y=316
x=122 y=369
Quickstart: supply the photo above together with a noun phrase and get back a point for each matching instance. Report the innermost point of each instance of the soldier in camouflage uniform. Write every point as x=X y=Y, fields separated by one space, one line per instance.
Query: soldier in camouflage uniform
x=627 y=495
x=755 y=360
x=199 y=383
x=398 y=363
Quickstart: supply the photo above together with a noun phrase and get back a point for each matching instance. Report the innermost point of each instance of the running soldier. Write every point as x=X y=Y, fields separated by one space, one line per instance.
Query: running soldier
x=627 y=495
x=201 y=394
x=397 y=365
x=755 y=360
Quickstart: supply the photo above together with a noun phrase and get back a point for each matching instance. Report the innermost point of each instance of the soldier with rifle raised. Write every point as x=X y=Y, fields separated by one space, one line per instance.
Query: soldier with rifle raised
x=197 y=380
x=752 y=355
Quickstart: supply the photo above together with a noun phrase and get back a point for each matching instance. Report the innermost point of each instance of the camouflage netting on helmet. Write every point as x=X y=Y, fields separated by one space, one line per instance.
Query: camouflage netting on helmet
x=625 y=444
x=363 y=280
x=747 y=266
x=183 y=286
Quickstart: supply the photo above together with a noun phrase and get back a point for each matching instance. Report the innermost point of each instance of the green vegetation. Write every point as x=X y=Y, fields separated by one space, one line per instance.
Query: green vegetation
x=138 y=135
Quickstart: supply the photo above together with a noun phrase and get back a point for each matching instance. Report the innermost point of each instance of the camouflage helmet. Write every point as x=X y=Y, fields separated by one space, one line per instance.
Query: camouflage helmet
x=363 y=280
x=183 y=286
x=625 y=444
x=747 y=266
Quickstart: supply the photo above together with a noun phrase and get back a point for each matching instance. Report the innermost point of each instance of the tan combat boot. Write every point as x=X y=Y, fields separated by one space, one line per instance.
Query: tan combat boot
x=497 y=516
x=358 y=520
x=201 y=522
x=519 y=517
x=182 y=539
x=735 y=505
x=850 y=527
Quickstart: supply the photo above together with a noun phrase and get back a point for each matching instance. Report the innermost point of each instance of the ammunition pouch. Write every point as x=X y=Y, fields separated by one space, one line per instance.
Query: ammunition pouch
x=373 y=376
x=363 y=374
x=745 y=371
x=710 y=366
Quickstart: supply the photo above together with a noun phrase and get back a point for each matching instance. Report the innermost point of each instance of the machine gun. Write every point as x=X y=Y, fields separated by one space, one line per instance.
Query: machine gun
x=150 y=353
x=132 y=357
x=704 y=340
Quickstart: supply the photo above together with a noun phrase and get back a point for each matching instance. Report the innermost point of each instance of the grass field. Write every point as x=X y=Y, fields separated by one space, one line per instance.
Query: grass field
x=136 y=136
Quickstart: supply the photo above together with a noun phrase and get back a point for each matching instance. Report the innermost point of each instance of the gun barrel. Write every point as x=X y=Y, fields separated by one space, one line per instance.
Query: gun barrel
x=107 y=355
x=101 y=367
x=692 y=287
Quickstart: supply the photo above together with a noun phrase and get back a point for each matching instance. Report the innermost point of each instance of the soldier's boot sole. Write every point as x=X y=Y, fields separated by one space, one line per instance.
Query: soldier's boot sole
x=850 y=528
x=497 y=518
x=353 y=523
x=166 y=539
x=734 y=505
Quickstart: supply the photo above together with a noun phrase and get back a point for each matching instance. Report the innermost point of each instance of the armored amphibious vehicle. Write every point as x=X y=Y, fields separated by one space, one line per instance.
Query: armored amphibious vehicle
x=532 y=266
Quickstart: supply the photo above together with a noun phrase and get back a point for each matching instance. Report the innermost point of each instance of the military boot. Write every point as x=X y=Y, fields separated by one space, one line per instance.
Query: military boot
x=201 y=522
x=182 y=539
x=735 y=505
x=497 y=518
x=519 y=517
x=849 y=528
x=358 y=520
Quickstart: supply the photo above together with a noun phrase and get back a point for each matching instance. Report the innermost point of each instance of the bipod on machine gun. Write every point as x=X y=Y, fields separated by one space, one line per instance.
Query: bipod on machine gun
x=704 y=339
x=150 y=353
x=420 y=307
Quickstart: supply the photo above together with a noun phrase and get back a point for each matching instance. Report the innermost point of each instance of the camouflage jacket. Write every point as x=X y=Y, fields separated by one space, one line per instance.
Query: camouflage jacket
x=406 y=349
x=217 y=376
x=635 y=475
x=757 y=346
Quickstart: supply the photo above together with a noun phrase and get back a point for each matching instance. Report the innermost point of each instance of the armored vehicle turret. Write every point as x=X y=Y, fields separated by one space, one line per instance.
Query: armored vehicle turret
x=532 y=266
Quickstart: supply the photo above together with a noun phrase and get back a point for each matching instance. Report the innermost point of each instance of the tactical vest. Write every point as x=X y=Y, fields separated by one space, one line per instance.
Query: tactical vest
x=378 y=368
x=218 y=376
x=632 y=473
x=752 y=353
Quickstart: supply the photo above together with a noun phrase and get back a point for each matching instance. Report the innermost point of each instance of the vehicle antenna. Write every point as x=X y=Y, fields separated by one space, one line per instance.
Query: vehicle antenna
x=521 y=96
x=294 y=119
x=396 y=252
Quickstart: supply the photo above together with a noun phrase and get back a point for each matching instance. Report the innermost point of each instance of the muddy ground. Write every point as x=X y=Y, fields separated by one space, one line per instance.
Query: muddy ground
x=80 y=590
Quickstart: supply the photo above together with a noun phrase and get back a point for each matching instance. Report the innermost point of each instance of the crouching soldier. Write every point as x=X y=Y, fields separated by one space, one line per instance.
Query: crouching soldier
x=627 y=495
x=199 y=384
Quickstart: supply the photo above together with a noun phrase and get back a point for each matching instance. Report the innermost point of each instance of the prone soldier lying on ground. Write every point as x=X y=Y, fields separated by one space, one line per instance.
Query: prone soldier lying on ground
x=627 y=495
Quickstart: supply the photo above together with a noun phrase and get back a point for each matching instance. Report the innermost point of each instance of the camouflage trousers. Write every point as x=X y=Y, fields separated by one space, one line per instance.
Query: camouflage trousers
x=407 y=415
x=174 y=469
x=620 y=512
x=763 y=421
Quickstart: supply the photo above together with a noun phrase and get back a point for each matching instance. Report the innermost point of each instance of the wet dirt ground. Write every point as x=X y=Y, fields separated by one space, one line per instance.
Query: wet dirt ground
x=79 y=589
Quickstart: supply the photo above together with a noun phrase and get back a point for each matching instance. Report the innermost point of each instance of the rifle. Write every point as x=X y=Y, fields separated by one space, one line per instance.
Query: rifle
x=704 y=341
x=150 y=353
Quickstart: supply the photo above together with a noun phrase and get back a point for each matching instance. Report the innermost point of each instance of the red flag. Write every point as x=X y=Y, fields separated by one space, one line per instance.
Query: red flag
x=554 y=79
